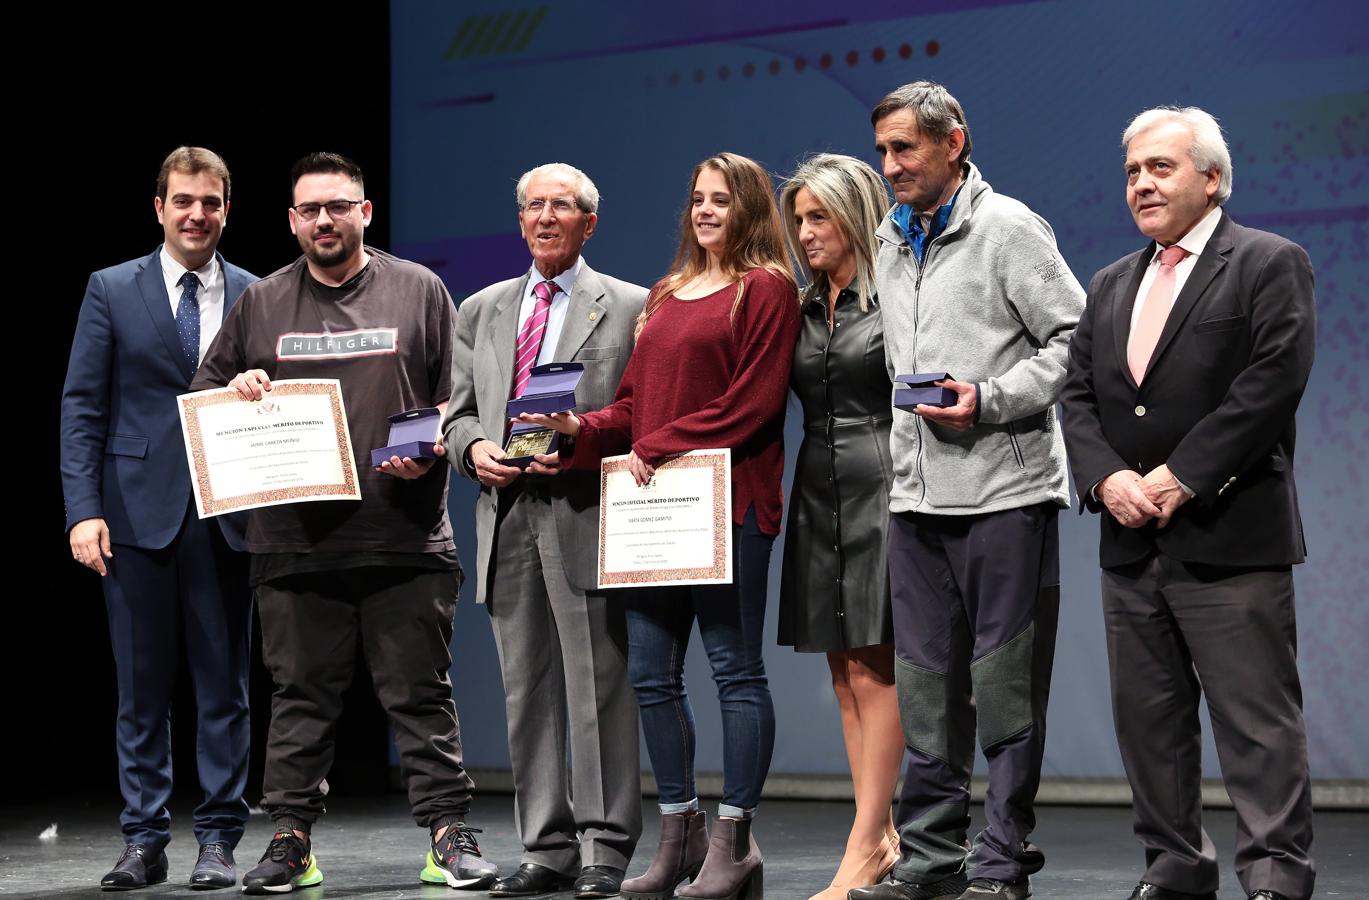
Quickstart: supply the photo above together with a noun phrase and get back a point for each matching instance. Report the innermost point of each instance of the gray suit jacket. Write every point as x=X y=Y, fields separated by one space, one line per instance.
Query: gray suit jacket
x=597 y=332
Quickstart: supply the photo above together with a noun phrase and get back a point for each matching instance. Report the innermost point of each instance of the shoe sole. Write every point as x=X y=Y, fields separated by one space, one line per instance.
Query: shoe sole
x=278 y=888
x=557 y=888
x=151 y=880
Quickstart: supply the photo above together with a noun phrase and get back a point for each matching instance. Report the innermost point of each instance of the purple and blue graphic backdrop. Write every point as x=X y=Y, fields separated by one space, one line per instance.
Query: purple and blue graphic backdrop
x=635 y=94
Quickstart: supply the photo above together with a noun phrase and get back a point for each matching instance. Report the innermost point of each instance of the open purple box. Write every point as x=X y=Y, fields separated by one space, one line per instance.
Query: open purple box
x=551 y=388
x=412 y=434
x=921 y=388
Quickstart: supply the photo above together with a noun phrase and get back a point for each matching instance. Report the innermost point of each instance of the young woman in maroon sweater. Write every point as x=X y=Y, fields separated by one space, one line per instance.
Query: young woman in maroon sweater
x=710 y=369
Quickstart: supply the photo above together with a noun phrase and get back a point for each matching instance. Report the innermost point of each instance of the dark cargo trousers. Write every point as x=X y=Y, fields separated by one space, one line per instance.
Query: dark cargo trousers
x=975 y=604
x=315 y=628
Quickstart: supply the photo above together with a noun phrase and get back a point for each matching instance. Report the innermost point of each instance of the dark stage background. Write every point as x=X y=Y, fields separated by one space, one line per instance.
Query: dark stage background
x=111 y=97
x=442 y=127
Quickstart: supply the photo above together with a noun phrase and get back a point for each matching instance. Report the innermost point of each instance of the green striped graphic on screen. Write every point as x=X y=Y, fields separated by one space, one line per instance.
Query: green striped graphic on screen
x=495 y=34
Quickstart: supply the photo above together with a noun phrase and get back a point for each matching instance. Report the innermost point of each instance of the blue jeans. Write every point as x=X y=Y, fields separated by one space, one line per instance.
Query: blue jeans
x=731 y=621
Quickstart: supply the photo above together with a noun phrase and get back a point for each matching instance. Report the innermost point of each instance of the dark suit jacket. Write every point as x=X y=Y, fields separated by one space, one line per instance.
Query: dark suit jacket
x=1217 y=403
x=598 y=332
x=122 y=454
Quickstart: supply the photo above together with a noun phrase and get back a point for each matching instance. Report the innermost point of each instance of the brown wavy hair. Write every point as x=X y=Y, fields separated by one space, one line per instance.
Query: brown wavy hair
x=754 y=234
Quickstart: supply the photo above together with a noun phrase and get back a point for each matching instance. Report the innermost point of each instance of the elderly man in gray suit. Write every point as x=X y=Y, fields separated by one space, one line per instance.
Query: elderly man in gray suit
x=562 y=645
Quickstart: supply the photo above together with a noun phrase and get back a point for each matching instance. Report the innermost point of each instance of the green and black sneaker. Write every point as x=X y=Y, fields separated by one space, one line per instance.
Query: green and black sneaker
x=286 y=865
x=455 y=860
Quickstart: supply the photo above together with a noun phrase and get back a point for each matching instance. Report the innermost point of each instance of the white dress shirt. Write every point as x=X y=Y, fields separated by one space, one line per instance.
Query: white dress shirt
x=210 y=295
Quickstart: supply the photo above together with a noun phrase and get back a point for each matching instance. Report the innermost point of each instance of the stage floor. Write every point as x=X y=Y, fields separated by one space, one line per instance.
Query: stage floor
x=369 y=848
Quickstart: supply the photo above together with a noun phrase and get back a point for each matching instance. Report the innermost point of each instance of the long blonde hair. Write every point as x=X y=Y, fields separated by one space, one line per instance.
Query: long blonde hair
x=853 y=194
x=754 y=235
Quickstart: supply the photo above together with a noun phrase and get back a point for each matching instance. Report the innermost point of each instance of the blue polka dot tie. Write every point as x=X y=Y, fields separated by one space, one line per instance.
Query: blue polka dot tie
x=188 y=321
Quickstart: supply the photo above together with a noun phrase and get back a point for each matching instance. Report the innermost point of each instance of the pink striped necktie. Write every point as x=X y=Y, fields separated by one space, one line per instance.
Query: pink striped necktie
x=1154 y=312
x=530 y=337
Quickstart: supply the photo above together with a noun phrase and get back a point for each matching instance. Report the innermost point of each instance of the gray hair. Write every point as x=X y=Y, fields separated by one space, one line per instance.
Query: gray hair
x=854 y=196
x=938 y=113
x=1209 y=150
x=586 y=194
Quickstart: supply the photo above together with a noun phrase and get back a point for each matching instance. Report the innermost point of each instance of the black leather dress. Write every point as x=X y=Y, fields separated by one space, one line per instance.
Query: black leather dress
x=834 y=594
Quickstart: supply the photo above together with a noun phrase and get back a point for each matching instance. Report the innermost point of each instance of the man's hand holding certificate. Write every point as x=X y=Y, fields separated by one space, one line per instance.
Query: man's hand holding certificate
x=289 y=445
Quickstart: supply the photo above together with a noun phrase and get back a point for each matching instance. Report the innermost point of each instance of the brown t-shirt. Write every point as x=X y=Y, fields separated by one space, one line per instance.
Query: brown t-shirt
x=386 y=335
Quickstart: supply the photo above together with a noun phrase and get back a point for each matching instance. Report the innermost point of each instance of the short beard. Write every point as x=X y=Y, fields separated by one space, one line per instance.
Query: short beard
x=326 y=259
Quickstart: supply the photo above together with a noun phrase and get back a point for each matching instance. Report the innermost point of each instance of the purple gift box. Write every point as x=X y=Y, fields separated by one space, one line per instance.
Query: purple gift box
x=551 y=388
x=412 y=434
x=921 y=388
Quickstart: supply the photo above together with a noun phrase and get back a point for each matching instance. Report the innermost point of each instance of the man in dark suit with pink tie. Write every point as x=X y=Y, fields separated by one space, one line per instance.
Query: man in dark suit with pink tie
x=1184 y=381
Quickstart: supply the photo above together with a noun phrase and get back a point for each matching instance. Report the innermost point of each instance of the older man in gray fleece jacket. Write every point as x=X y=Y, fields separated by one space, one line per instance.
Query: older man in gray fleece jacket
x=970 y=283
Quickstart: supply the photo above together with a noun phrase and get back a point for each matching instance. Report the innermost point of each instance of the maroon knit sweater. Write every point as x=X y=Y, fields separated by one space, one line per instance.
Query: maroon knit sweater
x=699 y=380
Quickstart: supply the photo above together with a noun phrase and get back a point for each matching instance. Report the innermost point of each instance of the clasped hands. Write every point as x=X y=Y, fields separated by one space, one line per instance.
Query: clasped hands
x=1134 y=499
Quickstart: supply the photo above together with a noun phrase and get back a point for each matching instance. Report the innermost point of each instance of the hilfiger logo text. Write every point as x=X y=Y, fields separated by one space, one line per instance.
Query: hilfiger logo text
x=338 y=344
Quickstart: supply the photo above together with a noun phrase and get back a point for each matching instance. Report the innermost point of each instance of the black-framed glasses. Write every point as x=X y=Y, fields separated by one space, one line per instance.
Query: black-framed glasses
x=337 y=209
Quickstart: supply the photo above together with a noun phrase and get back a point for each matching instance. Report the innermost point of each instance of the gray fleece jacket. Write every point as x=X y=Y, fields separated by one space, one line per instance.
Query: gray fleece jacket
x=994 y=304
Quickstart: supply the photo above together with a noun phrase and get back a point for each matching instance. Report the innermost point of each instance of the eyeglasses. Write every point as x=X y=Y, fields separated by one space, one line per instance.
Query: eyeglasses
x=337 y=209
x=560 y=206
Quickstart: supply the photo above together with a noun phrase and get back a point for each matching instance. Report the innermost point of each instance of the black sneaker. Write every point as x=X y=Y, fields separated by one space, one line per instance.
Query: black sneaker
x=286 y=865
x=455 y=860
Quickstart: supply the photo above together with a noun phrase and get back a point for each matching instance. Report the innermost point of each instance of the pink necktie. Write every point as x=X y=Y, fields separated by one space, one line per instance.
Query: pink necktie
x=530 y=337
x=1154 y=312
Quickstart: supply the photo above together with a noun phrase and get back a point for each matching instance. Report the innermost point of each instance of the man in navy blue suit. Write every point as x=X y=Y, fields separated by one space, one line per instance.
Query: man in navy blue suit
x=173 y=583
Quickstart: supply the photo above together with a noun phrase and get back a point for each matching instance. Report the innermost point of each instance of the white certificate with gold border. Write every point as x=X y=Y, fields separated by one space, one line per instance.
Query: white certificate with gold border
x=291 y=446
x=677 y=529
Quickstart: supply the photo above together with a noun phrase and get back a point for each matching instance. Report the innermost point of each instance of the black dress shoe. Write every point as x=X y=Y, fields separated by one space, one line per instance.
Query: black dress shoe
x=1147 y=891
x=598 y=881
x=136 y=868
x=1266 y=894
x=530 y=880
x=213 y=868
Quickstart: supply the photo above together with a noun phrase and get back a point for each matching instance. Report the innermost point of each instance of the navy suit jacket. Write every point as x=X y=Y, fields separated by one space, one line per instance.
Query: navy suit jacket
x=1217 y=403
x=123 y=456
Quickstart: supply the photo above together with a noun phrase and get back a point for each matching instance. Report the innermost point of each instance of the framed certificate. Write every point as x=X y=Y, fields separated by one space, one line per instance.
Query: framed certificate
x=291 y=446
x=677 y=529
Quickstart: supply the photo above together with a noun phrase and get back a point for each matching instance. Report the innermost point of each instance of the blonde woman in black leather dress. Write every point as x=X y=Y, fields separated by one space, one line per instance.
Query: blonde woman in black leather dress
x=834 y=596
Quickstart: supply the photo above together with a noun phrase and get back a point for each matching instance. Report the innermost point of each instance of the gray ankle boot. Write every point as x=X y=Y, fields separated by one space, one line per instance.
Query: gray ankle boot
x=683 y=846
x=734 y=867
